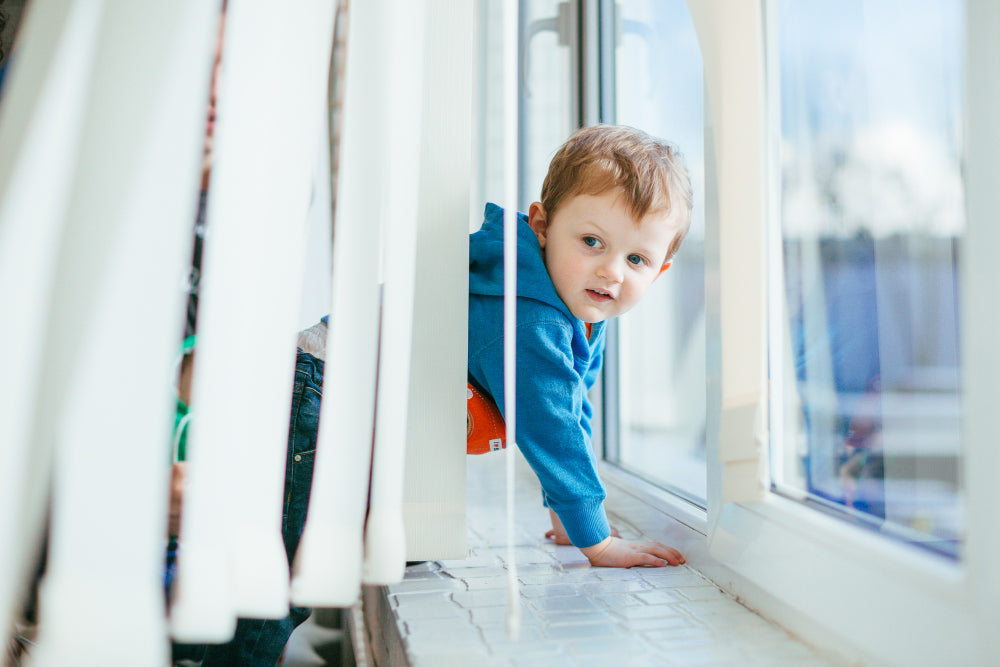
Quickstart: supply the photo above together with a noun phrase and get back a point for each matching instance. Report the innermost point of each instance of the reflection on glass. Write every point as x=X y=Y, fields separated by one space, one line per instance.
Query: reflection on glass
x=548 y=114
x=871 y=222
x=658 y=80
x=548 y=108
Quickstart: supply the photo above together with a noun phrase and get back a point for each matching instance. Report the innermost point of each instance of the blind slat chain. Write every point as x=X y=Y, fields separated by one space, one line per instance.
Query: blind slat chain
x=510 y=97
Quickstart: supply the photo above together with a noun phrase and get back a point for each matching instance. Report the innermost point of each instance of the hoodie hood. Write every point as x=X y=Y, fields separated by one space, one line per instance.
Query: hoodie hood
x=486 y=262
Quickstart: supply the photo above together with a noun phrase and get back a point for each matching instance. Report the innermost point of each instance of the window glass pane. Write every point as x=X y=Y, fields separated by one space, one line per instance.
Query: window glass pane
x=658 y=88
x=545 y=91
x=489 y=129
x=866 y=331
x=548 y=109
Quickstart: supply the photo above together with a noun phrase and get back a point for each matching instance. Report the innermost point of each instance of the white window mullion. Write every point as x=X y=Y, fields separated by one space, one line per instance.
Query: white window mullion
x=732 y=51
x=980 y=321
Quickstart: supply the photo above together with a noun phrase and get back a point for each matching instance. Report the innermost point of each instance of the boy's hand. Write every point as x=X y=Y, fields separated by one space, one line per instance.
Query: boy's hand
x=616 y=552
x=176 y=497
x=558 y=534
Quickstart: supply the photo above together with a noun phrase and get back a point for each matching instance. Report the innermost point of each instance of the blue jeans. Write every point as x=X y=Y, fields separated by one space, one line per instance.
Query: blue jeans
x=260 y=642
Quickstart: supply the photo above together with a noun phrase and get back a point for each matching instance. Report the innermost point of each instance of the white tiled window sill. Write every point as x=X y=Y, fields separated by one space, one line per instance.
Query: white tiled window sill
x=453 y=612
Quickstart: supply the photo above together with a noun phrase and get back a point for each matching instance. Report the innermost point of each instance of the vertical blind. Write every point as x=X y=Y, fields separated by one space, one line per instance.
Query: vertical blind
x=101 y=139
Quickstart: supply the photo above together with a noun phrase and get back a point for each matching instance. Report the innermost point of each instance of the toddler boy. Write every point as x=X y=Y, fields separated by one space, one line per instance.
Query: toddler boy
x=615 y=206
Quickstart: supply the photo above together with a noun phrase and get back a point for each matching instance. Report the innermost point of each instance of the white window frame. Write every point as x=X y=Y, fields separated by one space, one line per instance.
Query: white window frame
x=841 y=587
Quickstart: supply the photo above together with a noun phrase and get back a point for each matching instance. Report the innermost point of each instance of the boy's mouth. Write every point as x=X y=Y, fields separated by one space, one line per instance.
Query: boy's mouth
x=599 y=295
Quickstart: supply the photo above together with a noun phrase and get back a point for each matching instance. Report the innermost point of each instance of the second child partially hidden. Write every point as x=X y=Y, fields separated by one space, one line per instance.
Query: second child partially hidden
x=615 y=206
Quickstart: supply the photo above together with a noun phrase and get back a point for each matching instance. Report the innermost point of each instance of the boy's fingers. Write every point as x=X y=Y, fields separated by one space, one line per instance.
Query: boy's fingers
x=669 y=554
x=615 y=552
x=649 y=560
x=558 y=538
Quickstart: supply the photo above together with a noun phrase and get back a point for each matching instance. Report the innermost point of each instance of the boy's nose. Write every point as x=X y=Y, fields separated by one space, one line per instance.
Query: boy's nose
x=611 y=269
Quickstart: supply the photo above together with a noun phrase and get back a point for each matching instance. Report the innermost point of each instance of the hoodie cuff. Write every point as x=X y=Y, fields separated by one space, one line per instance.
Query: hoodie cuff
x=585 y=524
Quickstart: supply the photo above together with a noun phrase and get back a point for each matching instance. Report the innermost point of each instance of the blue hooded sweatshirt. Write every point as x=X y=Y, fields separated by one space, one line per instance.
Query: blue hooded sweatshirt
x=556 y=366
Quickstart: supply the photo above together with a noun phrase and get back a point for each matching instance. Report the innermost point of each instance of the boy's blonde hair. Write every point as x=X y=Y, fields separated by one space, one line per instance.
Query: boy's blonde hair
x=650 y=172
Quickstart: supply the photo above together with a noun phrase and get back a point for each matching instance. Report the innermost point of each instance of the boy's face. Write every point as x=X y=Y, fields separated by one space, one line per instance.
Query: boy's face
x=600 y=261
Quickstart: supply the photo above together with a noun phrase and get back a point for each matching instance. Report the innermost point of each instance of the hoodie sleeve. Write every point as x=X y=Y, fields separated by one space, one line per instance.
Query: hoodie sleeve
x=553 y=425
x=589 y=379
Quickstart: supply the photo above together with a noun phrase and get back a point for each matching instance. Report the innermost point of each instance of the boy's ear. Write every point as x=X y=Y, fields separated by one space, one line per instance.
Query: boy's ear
x=662 y=269
x=538 y=222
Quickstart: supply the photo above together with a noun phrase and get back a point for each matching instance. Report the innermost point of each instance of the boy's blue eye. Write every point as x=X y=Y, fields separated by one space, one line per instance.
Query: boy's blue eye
x=636 y=259
x=591 y=241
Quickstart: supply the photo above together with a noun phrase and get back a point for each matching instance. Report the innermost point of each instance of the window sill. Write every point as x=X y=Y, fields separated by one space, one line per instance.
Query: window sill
x=845 y=589
x=453 y=612
x=839 y=587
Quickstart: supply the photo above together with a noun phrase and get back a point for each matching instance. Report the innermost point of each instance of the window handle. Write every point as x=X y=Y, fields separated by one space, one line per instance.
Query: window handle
x=643 y=31
x=561 y=24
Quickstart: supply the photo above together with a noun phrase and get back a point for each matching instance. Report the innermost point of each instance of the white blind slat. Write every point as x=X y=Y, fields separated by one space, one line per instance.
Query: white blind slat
x=327 y=568
x=115 y=309
x=385 y=543
x=39 y=137
x=267 y=127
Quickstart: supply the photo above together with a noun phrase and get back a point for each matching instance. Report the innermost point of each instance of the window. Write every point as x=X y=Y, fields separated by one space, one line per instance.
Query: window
x=841 y=269
x=547 y=96
x=660 y=362
x=865 y=314
x=849 y=263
